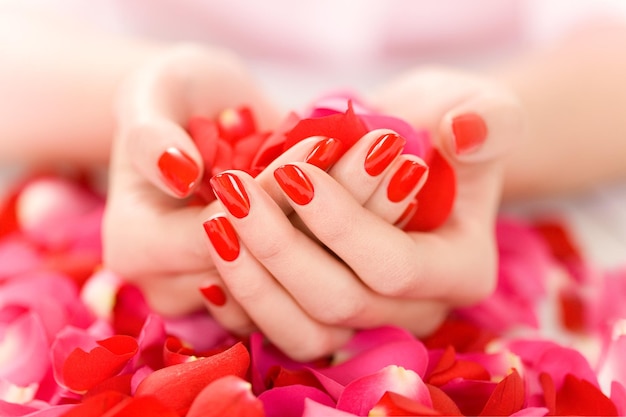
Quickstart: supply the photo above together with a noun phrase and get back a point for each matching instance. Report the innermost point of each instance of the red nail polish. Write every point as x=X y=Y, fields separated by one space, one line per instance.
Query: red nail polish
x=404 y=180
x=214 y=295
x=295 y=184
x=223 y=237
x=407 y=214
x=383 y=152
x=470 y=132
x=229 y=190
x=325 y=153
x=179 y=171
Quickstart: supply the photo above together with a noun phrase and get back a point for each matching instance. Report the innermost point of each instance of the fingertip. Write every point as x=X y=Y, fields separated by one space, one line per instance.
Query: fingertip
x=178 y=171
x=166 y=156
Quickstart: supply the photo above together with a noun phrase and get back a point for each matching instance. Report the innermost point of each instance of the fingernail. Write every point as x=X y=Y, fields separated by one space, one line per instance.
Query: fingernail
x=229 y=190
x=470 y=132
x=383 y=152
x=179 y=171
x=295 y=184
x=407 y=214
x=214 y=295
x=325 y=153
x=404 y=180
x=223 y=237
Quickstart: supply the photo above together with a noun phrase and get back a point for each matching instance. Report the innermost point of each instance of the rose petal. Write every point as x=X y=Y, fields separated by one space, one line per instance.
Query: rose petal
x=436 y=198
x=289 y=401
x=236 y=123
x=469 y=396
x=361 y=395
x=17 y=256
x=83 y=370
x=618 y=397
x=227 y=396
x=346 y=127
x=315 y=409
x=392 y=404
x=442 y=402
x=24 y=356
x=449 y=368
x=549 y=357
x=176 y=386
x=507 y=398
x=531 y=412
x=372 y=350
x=578 y=397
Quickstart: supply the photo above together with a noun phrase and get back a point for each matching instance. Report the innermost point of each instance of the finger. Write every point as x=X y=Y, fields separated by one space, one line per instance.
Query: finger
x=224 y=307
x=397 y=191
x=389 y=261
x=159 y=100
x=275 y=312
x=323 y=287
x=474 y=122
x=361 y=169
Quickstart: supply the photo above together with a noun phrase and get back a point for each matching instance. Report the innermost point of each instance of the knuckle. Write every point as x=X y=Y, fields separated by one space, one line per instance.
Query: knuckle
x=347 y=312
x=399 y=280
x=316 y=344
x=274 y=246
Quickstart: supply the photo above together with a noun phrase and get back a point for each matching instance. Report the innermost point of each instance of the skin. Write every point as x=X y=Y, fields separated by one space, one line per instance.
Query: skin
x=160 y=245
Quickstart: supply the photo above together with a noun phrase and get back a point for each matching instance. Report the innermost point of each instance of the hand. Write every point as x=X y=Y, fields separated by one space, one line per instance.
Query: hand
x=151 y=234
x=307 y=299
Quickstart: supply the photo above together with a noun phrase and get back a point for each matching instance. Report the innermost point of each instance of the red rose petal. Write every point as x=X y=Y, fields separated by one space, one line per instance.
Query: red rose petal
x=393 y=404
x=549 y=392
x=346 y=127
x=115 y=404
x=97 y=405
x=176 y=386
x=236 y=124
x=83 y=370
x=578 y=397
x=227 y=396
x=507 y=398
x=279 y=376
x=442 y=402
x=449 y=368
x=436 y=198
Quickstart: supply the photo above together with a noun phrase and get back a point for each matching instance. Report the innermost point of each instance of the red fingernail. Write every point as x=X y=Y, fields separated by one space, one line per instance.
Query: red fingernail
x=404 y=180
x=325 y=153
x=407 y=214
x=470 y=132
x=295 y=184
x=214 y=295
x=223 y=237
x=229 y=190
x=178 y=170
x=383 y=152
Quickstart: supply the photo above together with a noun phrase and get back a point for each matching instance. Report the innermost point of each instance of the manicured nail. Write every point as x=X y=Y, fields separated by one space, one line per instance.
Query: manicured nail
x=295 y=184
x=407 y=214
x=470 y=132
x=404 y=180
x=179 y=171
x=229 y=190
x=214 y=294
x=325 y=153
x=383 y=152
x=223 y=237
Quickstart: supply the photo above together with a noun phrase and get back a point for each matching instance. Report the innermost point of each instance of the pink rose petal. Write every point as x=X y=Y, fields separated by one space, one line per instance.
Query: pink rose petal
x=24 y=356
x=361 y=395
x=289 y=401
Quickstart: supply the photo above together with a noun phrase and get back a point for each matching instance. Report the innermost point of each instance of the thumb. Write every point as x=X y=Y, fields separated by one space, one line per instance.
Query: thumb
x=475 y=137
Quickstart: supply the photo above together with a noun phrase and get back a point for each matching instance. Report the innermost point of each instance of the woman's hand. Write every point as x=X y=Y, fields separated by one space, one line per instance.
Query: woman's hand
x=152 y=235
x=308 y=298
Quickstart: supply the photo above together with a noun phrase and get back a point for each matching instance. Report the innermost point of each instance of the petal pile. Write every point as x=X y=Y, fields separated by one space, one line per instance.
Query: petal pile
x=76 y=340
